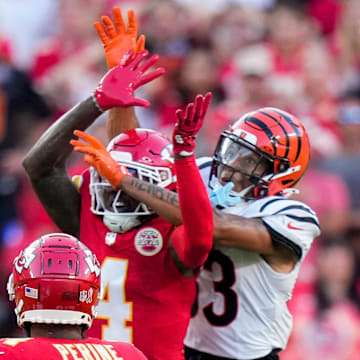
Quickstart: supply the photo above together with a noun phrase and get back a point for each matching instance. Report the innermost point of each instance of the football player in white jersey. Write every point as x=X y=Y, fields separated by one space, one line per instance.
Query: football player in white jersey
x=261 y=237
x=244 y=286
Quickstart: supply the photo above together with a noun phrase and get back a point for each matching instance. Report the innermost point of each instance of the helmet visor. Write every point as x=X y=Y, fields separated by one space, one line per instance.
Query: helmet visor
x=239 y=157
x=240 y=164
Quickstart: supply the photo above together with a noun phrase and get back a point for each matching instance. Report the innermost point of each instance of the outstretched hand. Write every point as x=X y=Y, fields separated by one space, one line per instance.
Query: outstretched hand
x=116 y=88
x=188 y=125
x=97 y=156
x=118 y=40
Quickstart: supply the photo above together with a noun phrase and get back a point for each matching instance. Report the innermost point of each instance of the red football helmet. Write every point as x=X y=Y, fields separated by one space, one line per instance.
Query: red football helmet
x=147 y=154
x=280 y=143
x=55 y=280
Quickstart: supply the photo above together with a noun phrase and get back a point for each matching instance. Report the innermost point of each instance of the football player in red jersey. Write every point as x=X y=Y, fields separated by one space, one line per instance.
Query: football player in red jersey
x=55 y=284
x=148 y=267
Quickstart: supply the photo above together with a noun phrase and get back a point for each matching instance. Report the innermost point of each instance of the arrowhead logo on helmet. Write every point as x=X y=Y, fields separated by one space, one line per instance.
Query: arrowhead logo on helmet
x=24 y=260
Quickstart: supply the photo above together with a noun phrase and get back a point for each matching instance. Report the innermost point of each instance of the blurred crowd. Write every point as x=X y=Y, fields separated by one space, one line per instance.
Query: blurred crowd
x=300 y=56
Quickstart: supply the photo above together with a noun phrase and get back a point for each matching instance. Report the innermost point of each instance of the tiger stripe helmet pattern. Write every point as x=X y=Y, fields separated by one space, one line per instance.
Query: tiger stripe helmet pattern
x=279 y=137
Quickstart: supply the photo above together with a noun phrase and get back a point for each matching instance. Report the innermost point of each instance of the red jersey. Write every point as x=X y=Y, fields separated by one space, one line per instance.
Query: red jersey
x=60 y=349
x=146 y=300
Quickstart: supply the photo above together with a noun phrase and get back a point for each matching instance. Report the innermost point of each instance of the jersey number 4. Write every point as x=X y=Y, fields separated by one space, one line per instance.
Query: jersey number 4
x=113 y=310
x=224 y=288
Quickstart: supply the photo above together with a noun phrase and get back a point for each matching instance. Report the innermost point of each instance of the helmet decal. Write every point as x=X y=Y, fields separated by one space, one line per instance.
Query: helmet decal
x=24 y=260
x=251 y=138
x=92 y=262
x=31 y=292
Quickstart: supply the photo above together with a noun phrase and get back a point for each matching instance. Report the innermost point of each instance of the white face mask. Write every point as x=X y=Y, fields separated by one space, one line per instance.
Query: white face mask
x=121 y=215
x=105 y=202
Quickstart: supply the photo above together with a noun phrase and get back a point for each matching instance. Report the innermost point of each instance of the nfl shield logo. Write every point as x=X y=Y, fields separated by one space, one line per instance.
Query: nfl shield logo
x=148 y=241
x=83 y=296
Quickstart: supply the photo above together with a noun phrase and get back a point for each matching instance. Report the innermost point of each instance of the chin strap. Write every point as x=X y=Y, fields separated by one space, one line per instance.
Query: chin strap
x=243 y=192
x=271 y=184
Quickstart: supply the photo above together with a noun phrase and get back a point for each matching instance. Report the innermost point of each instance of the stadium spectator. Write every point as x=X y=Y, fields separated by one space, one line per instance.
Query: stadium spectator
x=23 y=114
x=346 y=163
x=71 y=50
x=327 y=323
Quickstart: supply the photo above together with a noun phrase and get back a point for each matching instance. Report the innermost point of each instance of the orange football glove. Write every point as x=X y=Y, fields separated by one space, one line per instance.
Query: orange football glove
x=116 y=39
x=97 y=156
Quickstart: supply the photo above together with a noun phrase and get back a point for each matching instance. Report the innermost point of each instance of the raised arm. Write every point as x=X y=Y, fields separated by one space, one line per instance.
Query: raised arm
x=192 y=241
x=45 y=163
x=117 y=40
x=229 y=230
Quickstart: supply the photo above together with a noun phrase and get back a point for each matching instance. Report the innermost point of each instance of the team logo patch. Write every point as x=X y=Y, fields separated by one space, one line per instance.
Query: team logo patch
x=251 y=138
x=148 y=241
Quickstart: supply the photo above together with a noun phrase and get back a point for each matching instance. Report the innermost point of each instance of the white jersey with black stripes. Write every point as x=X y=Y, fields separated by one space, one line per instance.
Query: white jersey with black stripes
x=241 y=310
